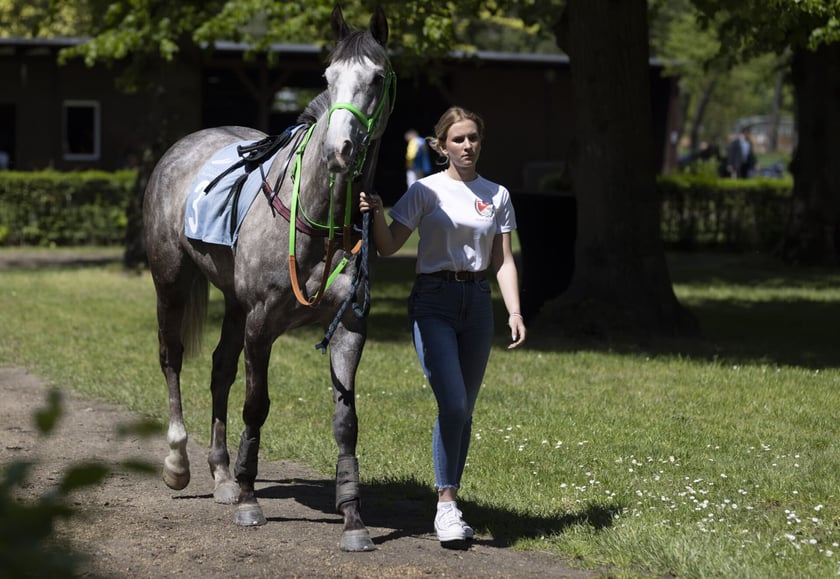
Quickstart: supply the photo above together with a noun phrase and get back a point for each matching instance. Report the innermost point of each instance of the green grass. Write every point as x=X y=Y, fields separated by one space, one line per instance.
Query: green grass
x=716 y=460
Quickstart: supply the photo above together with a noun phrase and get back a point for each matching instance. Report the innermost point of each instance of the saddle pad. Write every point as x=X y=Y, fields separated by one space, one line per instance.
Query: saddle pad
x=208 y=214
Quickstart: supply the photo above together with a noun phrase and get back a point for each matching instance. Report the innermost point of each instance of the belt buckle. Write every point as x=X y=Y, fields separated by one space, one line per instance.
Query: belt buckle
x=458 y=275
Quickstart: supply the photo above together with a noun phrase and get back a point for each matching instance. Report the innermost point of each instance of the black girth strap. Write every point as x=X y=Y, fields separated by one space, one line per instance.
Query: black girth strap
x=235 y=192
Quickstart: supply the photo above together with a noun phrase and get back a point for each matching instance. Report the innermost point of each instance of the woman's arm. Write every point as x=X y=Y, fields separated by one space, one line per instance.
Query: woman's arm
x=388 y=239
x=508 y=280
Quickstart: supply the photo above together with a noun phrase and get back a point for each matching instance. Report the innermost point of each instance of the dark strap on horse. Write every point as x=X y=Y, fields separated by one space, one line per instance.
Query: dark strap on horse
x=270 y=195
x=255 y=154
x=280 y=208
x=235 y=192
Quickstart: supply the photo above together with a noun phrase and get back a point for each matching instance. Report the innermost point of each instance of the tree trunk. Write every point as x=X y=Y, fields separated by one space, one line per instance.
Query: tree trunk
x=700 y=112
x=813 y=231
x=172 y=116
x=621 y=286
x=775 y=115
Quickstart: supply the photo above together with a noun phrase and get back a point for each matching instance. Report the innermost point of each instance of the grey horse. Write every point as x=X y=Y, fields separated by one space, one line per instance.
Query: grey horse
x=269 y=284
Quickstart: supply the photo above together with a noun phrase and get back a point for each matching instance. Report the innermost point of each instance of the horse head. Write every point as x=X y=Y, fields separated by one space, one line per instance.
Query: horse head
x=361 y=85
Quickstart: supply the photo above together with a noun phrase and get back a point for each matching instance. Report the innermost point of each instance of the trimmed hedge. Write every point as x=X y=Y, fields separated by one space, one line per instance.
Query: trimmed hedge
x=51 y=208
x=701 y=211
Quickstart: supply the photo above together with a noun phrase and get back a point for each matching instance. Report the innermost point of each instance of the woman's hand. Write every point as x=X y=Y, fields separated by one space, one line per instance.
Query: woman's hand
x=372 y=202
x=517 y=330
x=388 y=239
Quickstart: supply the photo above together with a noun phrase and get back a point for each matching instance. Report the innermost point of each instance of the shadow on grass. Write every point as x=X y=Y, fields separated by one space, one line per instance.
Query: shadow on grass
x=787 y=332
x=797 y=333
x=407 y=508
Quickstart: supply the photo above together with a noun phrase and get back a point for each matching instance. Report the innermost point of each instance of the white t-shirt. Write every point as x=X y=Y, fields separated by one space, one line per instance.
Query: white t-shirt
x=456 y=221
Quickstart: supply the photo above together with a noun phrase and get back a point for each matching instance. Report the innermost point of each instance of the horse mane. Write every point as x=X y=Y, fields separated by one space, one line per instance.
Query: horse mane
x=357 y=45
x=316 y=107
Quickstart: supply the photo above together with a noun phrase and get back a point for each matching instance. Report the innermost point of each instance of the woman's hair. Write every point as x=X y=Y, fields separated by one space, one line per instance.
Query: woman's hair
x=450 y=117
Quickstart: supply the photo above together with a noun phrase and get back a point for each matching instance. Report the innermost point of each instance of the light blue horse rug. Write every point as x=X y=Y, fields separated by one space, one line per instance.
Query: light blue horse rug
x=227 y=185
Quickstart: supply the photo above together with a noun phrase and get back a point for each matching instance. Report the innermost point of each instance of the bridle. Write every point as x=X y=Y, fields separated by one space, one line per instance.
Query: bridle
x=371 y=125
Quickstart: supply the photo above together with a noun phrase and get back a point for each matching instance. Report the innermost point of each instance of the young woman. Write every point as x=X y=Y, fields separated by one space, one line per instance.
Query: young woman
x=464 y=223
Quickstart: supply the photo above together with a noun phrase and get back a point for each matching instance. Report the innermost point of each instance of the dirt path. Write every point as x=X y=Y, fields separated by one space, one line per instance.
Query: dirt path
x=133 y=526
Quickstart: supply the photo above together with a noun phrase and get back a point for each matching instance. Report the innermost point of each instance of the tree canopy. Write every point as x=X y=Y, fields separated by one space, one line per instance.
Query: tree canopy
x=753 y=27
x=714 y=90
x=43 y=18
x=420 y=29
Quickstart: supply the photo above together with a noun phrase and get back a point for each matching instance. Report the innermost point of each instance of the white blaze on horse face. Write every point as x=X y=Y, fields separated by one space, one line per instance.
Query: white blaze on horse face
x=356 y=83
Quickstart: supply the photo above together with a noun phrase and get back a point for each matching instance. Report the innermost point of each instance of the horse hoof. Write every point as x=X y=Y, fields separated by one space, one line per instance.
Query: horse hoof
x=176 y=481
x=227 y=493
x=356 y=541
x=249 y=516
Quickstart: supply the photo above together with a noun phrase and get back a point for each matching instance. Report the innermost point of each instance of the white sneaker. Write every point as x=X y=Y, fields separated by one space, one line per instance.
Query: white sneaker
x=468 y=530
x=448 y=523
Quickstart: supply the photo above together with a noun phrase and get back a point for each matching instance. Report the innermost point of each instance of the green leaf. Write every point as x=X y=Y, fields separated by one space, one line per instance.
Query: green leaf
x=144 y=427
x=46 y=418
x=140 y=466
x=83 y=475
x=14 y=475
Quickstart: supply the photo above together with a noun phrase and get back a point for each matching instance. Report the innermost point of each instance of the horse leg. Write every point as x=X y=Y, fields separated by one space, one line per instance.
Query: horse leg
x=345 y=353
x=181 y=308
x=170 y=313
x=254 y=413
x=225 y=363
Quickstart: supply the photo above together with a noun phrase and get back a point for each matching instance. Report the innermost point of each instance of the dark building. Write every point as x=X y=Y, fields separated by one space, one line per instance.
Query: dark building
x=73 y=117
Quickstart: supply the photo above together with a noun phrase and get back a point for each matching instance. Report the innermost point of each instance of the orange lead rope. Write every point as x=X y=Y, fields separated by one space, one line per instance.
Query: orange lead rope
x=316 y=299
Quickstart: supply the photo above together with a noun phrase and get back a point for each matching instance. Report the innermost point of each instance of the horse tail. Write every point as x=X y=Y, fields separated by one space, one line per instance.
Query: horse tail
x=195 y=314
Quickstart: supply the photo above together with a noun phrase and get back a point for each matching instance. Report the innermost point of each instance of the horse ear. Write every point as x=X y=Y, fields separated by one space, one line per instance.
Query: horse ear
x=379 y=26
x=339 y=26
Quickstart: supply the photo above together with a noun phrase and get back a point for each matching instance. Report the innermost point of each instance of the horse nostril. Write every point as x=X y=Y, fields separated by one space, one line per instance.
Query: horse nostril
x=346 y=149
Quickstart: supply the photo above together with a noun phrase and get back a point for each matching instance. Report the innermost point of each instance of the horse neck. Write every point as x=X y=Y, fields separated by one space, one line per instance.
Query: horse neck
x=314 y=178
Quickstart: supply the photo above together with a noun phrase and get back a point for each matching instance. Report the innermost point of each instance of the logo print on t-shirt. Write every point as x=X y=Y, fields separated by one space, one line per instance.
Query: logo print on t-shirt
x=485 y=208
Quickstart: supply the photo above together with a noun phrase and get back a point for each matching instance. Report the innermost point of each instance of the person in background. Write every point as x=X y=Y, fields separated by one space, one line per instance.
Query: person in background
x=464 y=222
x=741 y=161
x=417 y=161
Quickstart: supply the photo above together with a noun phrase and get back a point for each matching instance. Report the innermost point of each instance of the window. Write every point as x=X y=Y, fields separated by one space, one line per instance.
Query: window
x=81 y=130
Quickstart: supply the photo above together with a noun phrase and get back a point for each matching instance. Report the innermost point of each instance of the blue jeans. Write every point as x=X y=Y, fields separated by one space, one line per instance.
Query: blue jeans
x=452 y=329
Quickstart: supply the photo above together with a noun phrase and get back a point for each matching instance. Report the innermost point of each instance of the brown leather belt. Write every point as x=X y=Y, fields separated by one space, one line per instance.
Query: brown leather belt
x=458 y=275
